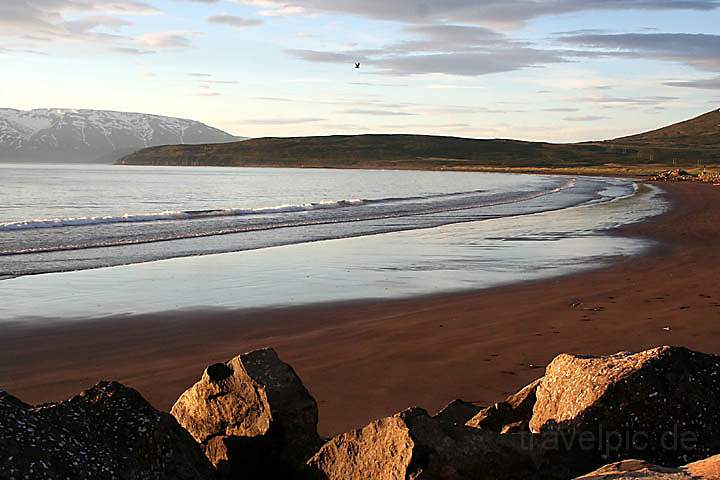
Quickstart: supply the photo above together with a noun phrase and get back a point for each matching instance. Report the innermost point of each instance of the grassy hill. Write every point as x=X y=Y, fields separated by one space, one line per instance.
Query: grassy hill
x=687 y=143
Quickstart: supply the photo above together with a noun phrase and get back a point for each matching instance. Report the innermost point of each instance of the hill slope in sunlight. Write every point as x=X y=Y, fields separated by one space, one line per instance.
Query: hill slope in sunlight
x=691 y=142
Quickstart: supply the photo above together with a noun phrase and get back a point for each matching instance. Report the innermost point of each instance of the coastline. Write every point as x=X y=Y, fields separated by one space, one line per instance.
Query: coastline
x=619 y=170
x=363 y=360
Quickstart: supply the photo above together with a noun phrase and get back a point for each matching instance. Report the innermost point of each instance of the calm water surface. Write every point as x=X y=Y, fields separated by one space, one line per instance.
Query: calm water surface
x=88 y=241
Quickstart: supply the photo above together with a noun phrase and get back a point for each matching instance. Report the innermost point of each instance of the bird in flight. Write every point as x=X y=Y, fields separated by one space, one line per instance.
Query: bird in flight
x=357 y=65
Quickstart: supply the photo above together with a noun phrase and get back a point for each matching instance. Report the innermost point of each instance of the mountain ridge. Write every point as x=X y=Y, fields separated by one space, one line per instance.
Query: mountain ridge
x=93 y=136
x=405 y=151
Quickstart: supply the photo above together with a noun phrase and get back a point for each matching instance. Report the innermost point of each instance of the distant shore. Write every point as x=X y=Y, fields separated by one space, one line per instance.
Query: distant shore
x=640 y=171
x=364 y=360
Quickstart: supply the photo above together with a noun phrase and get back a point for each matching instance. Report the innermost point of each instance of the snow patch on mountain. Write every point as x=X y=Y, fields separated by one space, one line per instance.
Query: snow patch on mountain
x=68 y=135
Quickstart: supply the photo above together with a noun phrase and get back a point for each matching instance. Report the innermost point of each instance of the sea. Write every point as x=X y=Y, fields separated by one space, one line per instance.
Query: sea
x=89 y=241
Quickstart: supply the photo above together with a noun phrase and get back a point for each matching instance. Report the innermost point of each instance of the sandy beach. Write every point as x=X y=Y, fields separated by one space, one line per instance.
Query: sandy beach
x=364 y=360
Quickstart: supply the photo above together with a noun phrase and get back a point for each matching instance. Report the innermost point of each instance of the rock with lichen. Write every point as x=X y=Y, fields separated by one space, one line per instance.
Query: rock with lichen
x=252 y=416
x=106 y=432
x=413 y=445
x=661 y=405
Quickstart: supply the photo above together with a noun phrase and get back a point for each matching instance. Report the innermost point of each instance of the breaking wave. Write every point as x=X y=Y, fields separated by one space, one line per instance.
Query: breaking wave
x=240 y=212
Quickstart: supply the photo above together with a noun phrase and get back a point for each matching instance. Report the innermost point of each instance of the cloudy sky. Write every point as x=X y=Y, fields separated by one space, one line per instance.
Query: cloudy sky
x=560 y=70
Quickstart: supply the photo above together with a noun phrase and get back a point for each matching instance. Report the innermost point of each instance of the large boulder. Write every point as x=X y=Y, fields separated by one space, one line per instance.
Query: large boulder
x=513 y=414
x=106 y=432
x=413 y=445
x=661 y=405
x=252 y=416
x=708 y=469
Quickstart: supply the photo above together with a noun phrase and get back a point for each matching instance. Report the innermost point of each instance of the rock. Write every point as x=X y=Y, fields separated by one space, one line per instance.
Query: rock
x=457 y=413
x=252 y=416
x=413 y=445
x=106 y=432
x=516 y=409
x=631 y=469
x=516 y=427
x=674 y=175
x=708 y=469
x=661 y=405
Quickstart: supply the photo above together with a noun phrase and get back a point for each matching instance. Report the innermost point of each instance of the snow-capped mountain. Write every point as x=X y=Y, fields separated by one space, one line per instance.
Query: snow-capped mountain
x=73 y=136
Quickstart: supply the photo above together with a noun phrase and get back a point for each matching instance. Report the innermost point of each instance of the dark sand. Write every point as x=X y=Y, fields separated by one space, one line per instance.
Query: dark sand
x=369 y=359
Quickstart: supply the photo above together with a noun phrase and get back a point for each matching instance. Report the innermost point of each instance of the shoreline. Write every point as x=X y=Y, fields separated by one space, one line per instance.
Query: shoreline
x=86 y=261
x=641 y=172
x=366 y=359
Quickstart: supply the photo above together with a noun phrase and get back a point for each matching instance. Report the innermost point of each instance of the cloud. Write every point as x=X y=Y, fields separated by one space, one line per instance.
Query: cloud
x=93 y=23
x=460 y=37
x=648 y=101
x=233 y=21
x=165 y=40
x=221 y=82
x=698 y=50
x=325 y=57
x=465 y=63
x=473 y=63
x=442 y=49
x=438 y=38
x=374 y=84
x=423 y=125
x=283 y=121
x=560 y=109
x=584 y=118
x=390 y=113
x=53 y=19
x=503 y=13
x=131 y=50
x=705 y=84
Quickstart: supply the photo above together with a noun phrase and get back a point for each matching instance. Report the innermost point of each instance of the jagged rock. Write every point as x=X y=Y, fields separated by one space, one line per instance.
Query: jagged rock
x=106 y=432
x=517 y=410
x=708 y=469
x=413 y=445
x=252 y=416
x=457 y=413
x=661 y=405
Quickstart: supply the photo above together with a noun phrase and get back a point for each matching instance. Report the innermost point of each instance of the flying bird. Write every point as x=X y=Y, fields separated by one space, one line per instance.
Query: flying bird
x=357 y=65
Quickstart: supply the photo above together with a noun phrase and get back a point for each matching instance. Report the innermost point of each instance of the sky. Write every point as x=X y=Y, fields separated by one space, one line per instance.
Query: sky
x=555 y=70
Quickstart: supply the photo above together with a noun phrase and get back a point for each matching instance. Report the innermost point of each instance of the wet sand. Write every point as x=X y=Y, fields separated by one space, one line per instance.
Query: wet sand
x=364 y=360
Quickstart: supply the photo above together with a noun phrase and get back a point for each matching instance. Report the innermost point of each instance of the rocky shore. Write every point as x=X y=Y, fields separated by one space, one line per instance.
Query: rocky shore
x=653 y=414
x=680 y=175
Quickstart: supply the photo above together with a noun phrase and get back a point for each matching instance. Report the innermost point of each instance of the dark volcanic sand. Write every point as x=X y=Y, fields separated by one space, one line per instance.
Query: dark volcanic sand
x=369 y=359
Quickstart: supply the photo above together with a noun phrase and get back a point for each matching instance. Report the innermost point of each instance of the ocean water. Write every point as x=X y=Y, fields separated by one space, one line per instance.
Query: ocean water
x=81 y=241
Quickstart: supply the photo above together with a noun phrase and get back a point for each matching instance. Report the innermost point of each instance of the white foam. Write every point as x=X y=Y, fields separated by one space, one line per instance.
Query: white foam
x=173 y=215
x=288 y=208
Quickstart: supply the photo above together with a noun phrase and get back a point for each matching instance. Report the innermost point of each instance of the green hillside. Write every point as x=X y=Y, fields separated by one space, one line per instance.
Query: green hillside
x=688 y=143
